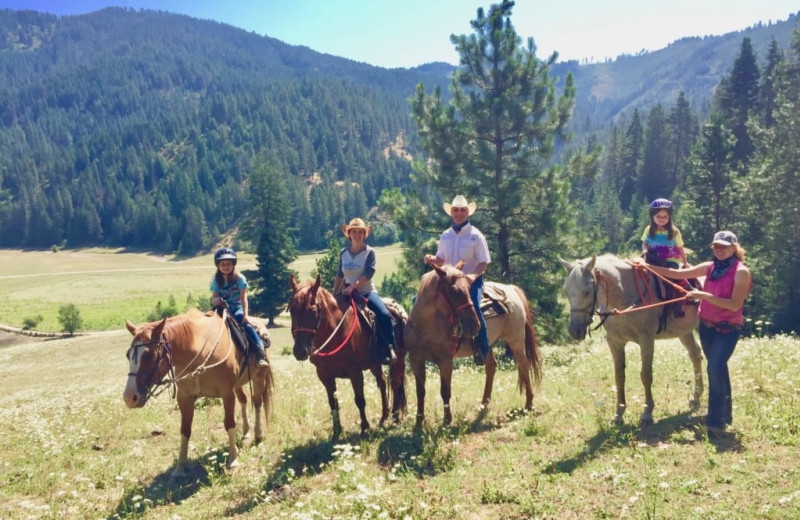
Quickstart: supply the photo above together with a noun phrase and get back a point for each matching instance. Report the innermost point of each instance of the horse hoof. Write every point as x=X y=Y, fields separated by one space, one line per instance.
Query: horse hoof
x=234 y=464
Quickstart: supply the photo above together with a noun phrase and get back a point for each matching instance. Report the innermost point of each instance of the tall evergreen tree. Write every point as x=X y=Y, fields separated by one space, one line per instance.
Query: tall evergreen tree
x=767 y=88
x=492 y=143
x=631 y=160
x=655 y=179
x=773 y=185
x=737 y=98
x=683 y=132
x=269 y=221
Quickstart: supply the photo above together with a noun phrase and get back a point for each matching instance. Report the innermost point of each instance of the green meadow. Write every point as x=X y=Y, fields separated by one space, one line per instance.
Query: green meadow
x=69 y=448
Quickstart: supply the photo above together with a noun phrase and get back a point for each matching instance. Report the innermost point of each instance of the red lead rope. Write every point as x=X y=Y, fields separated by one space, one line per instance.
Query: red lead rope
x=638 y=273
x=349 y=334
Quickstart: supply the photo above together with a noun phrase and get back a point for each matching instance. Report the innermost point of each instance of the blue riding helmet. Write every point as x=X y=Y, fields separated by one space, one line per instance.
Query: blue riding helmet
x=659 y=204
x=224 y=253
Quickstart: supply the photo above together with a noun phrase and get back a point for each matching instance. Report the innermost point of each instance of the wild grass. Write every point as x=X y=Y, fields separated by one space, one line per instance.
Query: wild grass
x=70 y=449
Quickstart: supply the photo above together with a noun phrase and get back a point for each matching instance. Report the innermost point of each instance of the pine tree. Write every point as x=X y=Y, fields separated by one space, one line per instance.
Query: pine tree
x=269 y=221
x=631 y=161
x=737 y=98
x=492 y=143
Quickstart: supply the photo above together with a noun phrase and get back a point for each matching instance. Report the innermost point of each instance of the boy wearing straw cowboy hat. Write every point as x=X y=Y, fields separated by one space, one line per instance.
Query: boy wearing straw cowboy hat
x=463 y=241
x=356 y=269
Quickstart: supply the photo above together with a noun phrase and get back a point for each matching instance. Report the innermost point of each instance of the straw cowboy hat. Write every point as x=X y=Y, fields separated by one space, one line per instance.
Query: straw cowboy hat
x=460 y=201
x=356 y=223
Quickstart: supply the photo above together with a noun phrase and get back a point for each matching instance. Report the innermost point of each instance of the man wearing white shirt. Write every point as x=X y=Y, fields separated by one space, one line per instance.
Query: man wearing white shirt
x=463 y=241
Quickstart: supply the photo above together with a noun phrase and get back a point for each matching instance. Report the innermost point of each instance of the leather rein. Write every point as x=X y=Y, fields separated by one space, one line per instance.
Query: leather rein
x=318 y=351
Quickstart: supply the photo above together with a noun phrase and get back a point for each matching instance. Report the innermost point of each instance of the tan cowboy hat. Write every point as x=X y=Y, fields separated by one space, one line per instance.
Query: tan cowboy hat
x=356 y=223
x=460 y=201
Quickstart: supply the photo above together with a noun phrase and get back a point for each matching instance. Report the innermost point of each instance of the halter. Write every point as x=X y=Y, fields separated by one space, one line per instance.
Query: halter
x=164 y=351
x=313 y=332
x=453 y=315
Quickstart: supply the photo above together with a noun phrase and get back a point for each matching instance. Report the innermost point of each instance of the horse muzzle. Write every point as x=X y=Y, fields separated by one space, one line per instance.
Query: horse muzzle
x=301 y=350
x=577 y=328
x=134 y=396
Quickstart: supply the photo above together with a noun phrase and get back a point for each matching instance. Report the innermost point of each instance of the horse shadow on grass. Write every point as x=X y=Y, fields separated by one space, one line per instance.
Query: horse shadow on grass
x=165 y=490
x=682 y=428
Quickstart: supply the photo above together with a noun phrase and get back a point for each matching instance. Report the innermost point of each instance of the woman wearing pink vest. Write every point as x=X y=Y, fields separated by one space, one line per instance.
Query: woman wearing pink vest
x=726 y=287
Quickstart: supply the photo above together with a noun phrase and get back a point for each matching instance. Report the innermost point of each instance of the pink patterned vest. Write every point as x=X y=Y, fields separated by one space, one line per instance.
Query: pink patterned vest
x=722 y=288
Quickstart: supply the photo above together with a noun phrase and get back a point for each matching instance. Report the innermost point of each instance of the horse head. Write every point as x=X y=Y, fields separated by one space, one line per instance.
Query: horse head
x=453 y=284
x=581 y=289
x=150 y=359
x=306 y=316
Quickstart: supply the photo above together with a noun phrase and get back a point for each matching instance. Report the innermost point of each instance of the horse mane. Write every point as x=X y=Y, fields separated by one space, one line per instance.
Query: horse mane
x=327 y=299
x=431 y=278
x=180 y=327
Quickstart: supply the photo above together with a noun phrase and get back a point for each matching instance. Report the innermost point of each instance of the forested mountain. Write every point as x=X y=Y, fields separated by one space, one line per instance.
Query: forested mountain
x=139 y=128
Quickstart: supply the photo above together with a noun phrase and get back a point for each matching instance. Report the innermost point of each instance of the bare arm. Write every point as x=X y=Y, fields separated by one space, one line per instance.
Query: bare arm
x=679 y=274
x=432 y=259
x=245 y=305
x=741 y=288
x=479 y=270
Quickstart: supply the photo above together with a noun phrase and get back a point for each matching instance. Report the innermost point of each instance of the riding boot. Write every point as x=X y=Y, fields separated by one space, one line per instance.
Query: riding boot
x=677 y=310
x=479 y=352
x=386 y=354
x=261 y=357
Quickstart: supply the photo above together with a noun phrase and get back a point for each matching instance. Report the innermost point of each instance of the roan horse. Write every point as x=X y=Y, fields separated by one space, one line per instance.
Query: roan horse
x=195 y=353
x=329 y=333
x=443 y=321
x=601 y=285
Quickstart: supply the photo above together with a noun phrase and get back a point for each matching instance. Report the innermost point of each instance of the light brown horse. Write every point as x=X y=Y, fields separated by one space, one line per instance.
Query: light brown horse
x=600 y=284
x=329 y=333
x=443 y=321
x=195 y=353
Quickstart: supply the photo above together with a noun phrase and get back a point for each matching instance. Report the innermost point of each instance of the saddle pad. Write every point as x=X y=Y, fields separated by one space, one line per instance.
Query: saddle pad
x=494 y=300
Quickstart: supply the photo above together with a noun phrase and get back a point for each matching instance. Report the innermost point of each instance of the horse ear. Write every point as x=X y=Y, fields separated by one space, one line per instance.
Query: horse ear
x=293 y=283
x=316 y=285
x=567 y=265
x=459 y=265
x=590 y=265
x=159 y=329
x=439 y=270
x=131 y=327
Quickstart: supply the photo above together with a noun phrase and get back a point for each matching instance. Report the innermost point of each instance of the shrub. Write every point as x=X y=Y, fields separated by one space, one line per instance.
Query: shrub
x=70 y=318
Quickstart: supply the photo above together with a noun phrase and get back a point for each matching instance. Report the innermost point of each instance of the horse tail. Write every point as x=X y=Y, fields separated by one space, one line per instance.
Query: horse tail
x=269 y=392
x=532 y=350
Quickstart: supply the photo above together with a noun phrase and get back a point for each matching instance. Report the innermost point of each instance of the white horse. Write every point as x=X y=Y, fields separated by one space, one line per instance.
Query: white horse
x=598 y=285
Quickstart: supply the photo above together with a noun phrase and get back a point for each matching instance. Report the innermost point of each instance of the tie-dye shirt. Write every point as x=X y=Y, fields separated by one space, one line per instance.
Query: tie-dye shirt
x=669 y=250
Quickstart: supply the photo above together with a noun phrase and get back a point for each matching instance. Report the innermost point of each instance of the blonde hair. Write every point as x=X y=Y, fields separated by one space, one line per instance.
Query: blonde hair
x=740 y=252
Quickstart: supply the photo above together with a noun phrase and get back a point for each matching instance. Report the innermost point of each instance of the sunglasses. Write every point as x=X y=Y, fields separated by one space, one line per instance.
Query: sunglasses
x=458 y=210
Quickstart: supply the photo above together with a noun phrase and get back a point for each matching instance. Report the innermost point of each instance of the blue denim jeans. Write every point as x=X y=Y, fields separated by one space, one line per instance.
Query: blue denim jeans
x=476 y=293
x=252 y=335
x=383 y=319
x=718 y=348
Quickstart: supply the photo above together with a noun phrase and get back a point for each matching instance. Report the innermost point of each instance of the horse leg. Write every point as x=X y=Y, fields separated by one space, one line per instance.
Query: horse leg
x=618 y=355
x=418 y=367
x=491 y=369
x=446 y=376
x=523 y=372
x=229 y=405
x=697 y=367
x=186 y=407
x=241 y=396
x=646 y=348
x=258 y=400
x=357 y=380
x=330 y=388
x=381 y=380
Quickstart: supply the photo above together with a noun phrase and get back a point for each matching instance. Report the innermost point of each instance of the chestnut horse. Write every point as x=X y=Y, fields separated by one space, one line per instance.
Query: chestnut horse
x=195 y=353
x=443 y=321
x=601 y=284
x=329 y=333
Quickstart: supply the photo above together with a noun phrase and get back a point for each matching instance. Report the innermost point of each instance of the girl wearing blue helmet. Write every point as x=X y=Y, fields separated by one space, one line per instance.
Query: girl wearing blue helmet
x=662 y=243
x=230 y=287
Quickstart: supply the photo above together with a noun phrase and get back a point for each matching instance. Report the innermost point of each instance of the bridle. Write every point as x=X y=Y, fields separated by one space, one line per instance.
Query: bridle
x=319 y=350
x=452 y=316
x=163 y=353
x=591 y=309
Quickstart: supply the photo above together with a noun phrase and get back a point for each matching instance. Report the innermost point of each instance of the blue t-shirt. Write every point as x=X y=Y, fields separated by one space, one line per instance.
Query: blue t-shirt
x=231 y=292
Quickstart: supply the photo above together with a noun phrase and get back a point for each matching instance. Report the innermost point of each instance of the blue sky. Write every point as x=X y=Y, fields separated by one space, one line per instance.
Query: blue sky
x=406 y=33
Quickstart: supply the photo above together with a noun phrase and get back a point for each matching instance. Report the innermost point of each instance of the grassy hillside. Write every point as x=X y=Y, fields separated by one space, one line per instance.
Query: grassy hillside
x=109 y=286
x=70 y=449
